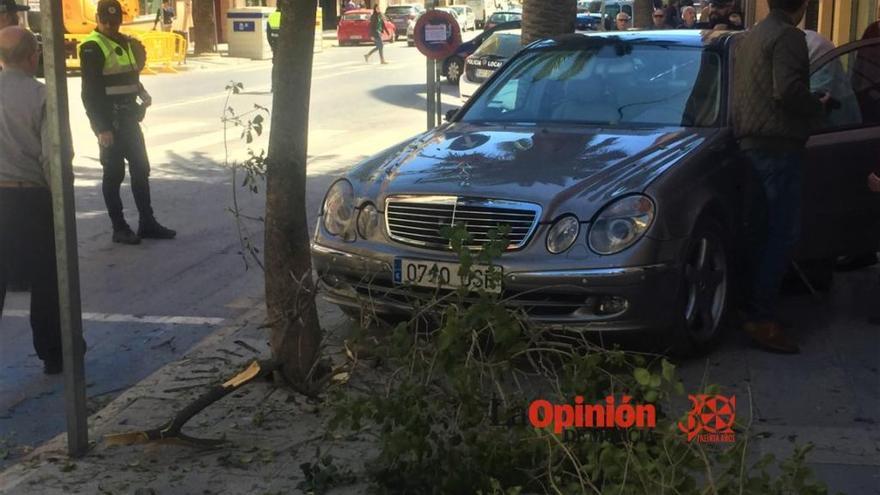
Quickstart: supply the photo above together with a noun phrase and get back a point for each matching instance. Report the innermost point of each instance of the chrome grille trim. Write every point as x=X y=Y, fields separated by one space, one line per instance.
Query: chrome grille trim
x=417 y=220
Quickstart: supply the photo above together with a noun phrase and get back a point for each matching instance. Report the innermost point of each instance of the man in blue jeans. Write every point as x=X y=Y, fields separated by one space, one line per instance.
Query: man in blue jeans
x=772 y=114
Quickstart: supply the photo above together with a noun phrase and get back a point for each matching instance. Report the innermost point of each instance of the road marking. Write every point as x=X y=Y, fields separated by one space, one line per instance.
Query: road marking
x=114 y=318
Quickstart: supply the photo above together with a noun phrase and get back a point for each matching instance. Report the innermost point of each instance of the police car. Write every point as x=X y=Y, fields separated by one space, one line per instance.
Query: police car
x=491 y=55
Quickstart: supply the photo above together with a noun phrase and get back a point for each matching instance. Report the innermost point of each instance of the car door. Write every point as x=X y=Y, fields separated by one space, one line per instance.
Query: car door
x=840 y=215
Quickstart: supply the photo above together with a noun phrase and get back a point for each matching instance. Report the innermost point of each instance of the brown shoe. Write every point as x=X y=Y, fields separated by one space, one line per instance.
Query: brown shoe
x=770 y=336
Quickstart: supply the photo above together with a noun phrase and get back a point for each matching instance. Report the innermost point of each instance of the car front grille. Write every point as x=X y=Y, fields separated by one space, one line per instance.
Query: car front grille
x=420 y=220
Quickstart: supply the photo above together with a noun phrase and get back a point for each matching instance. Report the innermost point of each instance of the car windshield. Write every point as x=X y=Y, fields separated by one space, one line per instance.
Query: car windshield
x=458 y=9
x=401 y=10
x=500 y=17
x=501 y=44
x=611 y=84
x=356 y=17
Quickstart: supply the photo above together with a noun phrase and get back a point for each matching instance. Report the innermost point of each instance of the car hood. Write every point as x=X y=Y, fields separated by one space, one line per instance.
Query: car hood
x=564 y=169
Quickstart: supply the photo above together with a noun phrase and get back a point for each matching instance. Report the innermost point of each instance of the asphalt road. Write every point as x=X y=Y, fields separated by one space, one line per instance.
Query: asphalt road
x=146 y=305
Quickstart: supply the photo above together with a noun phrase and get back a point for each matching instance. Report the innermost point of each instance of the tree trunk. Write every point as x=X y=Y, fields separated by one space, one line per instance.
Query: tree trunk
x=642 y=14
x=203 y=26
x=290 y=291
x=547 y=18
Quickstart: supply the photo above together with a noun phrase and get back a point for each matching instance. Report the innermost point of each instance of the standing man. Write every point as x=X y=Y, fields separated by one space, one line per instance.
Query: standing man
x=111 y=63
x=688 y=17
x=772 y=114
x=273 y=31
x=27 y=236
x=717 y=14
x=659 y=18
x=166 y=14
x=623 y=22
x=9 y=12
x=377 y=27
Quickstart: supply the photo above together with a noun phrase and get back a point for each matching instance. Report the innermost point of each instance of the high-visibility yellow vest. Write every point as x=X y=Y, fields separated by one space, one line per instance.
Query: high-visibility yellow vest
x=120 y=67
x=275 y=20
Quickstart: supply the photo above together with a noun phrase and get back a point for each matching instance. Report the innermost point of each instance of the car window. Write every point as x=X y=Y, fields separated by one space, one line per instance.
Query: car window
x=499 y=18
x=502 y=44
x=853 y=80
x=398 y=10
x=623 y=85
x=356 y=17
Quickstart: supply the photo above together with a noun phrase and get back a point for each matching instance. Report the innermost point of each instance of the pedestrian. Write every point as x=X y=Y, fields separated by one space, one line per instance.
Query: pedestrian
x=659 y=18
x=111 y=63
x=772 y=114
x=672 y=14
x=350 y=6
x=377 y=28
x=623 y=22
x=688 y=17
x=9 y=13
x=717 y=15
x=273 y=30
x=166 y=14
x=27 y=238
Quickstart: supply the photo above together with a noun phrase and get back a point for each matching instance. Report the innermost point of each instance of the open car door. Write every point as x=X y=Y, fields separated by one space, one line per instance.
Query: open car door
x=840 y=215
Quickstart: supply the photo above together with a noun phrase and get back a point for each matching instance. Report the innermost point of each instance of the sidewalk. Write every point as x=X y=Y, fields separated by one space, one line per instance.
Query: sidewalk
x=222 y=59
x=270 y=430
x=828 y=395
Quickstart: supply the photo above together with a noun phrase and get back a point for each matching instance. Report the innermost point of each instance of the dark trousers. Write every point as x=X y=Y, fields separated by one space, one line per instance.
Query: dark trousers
x=774 y=219
x=27 y=244
x=377 y=39
x=128 y=144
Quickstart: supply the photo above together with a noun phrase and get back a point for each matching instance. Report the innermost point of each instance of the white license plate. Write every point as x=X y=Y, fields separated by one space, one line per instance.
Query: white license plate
x=484 y=73
x=356 y=37
x=436 y=274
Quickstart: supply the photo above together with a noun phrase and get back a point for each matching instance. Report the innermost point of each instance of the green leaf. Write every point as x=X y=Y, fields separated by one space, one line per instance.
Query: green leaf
x=642 y=376
x=668 y=370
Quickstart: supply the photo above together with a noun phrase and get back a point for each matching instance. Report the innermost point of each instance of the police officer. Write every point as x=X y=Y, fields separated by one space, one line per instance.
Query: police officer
x=111 y=63
x=273 y=29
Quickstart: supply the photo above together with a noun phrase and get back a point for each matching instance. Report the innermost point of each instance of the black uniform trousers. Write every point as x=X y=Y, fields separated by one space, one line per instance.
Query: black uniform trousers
x=27 y=245
x=128 y=144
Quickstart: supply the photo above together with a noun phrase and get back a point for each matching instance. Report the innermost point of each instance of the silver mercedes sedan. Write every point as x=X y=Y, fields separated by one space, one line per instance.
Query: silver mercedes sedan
x=609 y=160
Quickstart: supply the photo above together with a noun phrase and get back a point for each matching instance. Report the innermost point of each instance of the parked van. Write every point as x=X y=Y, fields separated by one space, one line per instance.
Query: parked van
x=483 y=9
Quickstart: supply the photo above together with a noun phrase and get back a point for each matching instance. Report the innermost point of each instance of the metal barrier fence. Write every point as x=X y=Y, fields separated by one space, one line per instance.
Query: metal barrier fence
x=164 y=50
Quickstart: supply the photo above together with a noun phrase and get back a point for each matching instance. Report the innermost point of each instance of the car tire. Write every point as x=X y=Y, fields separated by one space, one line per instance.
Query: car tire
x=704 y=296
x=454 y=69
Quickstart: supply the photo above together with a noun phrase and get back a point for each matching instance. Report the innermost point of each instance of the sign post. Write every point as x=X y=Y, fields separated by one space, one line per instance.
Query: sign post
x=61 y=183
x=437 y=36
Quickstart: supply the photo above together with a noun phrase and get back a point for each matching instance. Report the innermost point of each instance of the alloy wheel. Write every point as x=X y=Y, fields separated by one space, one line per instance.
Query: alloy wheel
x=706 y=281
x=453 y=71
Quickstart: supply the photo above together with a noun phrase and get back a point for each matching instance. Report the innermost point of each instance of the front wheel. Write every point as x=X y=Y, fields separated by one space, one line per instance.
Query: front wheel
x=705 y=289
x=454 y=69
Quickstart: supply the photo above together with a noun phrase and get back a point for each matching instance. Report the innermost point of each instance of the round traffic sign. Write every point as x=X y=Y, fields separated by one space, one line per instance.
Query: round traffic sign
x=437 y=34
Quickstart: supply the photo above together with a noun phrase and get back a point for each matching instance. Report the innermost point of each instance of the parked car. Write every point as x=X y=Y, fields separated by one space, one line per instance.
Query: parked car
x=453 y=65
x=610 y=157
x=402 y=15
x=489 y=57
x=467 y=19
x=587 y=21
x=354 y=28
x=502 y=17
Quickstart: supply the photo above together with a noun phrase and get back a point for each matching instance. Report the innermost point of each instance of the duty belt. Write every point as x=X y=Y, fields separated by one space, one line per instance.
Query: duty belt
x=17 y=184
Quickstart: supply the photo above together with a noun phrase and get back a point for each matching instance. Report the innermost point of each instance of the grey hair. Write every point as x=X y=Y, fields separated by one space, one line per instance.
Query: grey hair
x=688 y=8
x=20 y=52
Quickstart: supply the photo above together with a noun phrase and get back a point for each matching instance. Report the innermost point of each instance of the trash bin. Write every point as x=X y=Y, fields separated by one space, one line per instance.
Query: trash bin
x=246 y=32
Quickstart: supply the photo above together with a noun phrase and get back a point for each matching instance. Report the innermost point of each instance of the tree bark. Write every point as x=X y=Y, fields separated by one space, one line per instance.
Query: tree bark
x=642 y=14
x=203 y=26
x=547 y=18
x=290 y=290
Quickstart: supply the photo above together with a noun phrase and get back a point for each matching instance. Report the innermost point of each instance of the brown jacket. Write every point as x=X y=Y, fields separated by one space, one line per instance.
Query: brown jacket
x=773 y=105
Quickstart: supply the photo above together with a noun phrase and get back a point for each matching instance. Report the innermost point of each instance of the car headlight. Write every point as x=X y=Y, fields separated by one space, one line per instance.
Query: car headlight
x=621 y=223
x=562 y=234
x=368 y=221
x=338 y=208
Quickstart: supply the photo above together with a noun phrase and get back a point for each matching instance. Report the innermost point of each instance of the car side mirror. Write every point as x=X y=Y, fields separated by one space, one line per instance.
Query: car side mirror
x=450 y=114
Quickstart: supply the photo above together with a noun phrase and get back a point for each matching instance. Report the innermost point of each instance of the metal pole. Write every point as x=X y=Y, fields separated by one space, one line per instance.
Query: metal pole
x=61 y=183
x=430 y=79
x=438 y=88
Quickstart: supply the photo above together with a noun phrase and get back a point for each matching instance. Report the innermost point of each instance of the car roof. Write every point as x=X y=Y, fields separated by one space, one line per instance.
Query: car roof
x=683 y=37
x=358 y=11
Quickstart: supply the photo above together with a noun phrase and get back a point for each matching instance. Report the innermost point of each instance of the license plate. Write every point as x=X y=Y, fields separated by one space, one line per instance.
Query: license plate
x=484 y=73
x=436 y=274
x=356 y=37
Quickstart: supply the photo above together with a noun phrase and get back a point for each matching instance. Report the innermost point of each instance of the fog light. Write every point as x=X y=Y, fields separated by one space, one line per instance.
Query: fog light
x=611 y=305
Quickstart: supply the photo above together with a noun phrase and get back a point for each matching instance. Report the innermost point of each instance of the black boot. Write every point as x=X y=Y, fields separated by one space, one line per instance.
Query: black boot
x=125 y=236
x=151 y=229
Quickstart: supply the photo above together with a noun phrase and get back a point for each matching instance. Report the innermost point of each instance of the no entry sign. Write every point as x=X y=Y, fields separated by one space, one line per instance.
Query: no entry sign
x=437 y=34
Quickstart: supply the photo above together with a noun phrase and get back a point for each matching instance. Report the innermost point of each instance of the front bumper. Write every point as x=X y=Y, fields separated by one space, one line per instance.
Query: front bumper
x=577 y=300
